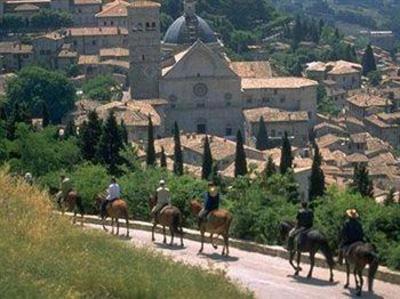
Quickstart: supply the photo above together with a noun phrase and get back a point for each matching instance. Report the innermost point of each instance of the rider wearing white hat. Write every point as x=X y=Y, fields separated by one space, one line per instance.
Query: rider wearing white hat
x=163 y=198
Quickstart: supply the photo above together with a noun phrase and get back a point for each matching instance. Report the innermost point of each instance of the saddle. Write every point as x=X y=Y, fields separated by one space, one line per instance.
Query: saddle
x=348 y=250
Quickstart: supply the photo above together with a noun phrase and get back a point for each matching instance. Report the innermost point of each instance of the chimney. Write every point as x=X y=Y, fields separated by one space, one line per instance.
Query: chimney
x=187 y=136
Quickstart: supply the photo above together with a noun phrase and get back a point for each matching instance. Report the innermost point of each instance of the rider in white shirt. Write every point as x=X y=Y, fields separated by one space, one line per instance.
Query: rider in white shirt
x=163 y=198
x=113 y=193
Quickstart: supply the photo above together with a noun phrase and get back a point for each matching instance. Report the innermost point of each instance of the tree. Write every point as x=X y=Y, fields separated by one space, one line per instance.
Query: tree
x=45 y=115
x=89 y=136
x=70 y=129
x=286 y=155
x=51 y=19
x=362 y=182
x=103 y=88
x=374 y=78
x=317 y=178
x=389 y=200
x=262 y=136
x=270 y=169
x=124 y=132
x=240 y=158
x=110 y=144
x=178 y=157
x=206 y=170
x=150 y=150
x=34 y=86
x=163 y=158
x=368 y=61
x=17 y=115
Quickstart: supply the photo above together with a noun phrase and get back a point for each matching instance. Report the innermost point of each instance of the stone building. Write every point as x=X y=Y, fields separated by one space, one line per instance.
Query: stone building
x=113 y=14
x=14 y=56
x=84 y=12
x=385 y=126
x=362 y=105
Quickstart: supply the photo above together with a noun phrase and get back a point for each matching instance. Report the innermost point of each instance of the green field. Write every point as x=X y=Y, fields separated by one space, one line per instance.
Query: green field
x=44 y=256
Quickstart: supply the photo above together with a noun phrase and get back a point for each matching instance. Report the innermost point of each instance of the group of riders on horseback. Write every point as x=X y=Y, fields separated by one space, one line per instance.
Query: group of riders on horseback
x=300 y=235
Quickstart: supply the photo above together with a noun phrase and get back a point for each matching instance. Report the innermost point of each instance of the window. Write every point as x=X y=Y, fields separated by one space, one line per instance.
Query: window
x=153 y=24
x=265 y=100
x=283 y=99
x=249 y=100
x=105 y=23
x=112 y=23
x=228 y=131
x=273 y=134
x=143 y=57
x=228 y=103
x=93 y=42
x=275 y=91
x=200 y=89
x=201 y=128
x=200 y=105
x=173 y=106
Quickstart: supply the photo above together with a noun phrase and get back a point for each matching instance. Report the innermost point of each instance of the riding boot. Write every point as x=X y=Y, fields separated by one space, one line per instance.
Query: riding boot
x=340 y=257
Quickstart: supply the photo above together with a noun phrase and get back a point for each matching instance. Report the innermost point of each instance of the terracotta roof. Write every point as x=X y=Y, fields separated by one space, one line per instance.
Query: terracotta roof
x=367 y=100
x=88 y=59
x=67 y=53
x=278 y=83
x=377 y=121
x=97 y=31
x=15 y=48
x=26 y=7
x=117 y=8
x=86 y=2
x=360 y=137
x=55 y=35
x=357 y=158
x=339 y=67
x=275 y=115
x=252 y=69
x=117 y=52
x=327 y=140
x=144 y=3
x=116 y=62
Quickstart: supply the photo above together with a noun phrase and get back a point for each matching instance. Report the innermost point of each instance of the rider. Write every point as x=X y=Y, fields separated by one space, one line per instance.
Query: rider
x=351 y=233
x=113 y=193
x=163 y=199
x=305 y=220
x=211 y=201
x=65 y=188
x=28 y=178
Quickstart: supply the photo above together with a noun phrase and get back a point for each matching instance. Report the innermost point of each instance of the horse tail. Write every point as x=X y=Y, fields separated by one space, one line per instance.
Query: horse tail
x=79 y=204
x=373 y=268
x=327 y=252
x=176 y=223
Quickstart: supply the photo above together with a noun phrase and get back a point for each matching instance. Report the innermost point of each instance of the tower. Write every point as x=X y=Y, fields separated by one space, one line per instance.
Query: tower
x=189 y=7
x=144 y=49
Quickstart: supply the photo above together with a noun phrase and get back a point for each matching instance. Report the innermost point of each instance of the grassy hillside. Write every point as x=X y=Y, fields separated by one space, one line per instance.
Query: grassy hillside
x=43 y=256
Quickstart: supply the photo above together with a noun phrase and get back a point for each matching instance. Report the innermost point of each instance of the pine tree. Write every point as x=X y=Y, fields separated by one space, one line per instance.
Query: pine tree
x=89 y=136
x=317 y=179
x=270 y=169
x=206 y=170
x=286 y=155
x=163 y=158
x=362 y=182
x=70 y=129
x=110 y=144
x=240 y=159
x=45 y=115
x=178 y=157
x=124 y=132
x=368 y=61
x=150 y=150
x=262 y=136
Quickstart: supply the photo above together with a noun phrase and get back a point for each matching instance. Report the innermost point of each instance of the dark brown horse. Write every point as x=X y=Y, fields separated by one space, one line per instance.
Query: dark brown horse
x=313 y=242
x=73 y=203
x=115 y=210
x=219 y=225
x=168 y=216
x=359 y=255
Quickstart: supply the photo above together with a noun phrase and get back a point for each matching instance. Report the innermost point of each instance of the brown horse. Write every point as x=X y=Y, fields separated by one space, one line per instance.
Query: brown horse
x=168 y=216
x=359 y=255
x=116 y=210
x=73 y=203
x=220 y=225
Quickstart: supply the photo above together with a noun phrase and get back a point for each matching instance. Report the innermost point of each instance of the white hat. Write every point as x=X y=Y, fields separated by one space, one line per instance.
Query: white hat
x=162 y=182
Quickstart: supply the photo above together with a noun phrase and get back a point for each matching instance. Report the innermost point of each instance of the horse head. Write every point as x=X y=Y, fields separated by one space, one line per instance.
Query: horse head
x=284 y=229
x=195 y=206
x=152 y=201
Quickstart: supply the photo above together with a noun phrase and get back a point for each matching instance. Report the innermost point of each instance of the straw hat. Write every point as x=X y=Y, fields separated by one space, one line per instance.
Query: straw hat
x=352 y=213
x=213 y=191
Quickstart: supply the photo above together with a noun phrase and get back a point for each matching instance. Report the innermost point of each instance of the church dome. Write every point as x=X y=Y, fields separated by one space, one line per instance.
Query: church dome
x=187 y=29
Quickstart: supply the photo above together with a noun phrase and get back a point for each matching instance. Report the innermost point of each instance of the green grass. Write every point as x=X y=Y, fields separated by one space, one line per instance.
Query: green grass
x=44 y=256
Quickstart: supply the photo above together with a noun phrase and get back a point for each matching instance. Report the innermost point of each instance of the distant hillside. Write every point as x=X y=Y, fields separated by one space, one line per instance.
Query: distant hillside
x=349 y=15
x=43 y=256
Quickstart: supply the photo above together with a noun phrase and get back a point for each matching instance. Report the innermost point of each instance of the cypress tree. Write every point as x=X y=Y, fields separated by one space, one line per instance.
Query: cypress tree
x=262 y=136
x=45 y=115
x=70 y=129
x=89 y=136
x=124 y=132
x=368 y=61
x=286 y=155
x=110 y=144
x=240 y=159
x=317 y=178
x=270 y=169
x=3 y=113
x=206 y=170
x=362 y=182
x=150 y=151
x=178 y=157
x=163 y=158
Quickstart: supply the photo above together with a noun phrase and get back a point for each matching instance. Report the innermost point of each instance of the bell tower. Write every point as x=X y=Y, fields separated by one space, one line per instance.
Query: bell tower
x=189 y=7
x=144 y=49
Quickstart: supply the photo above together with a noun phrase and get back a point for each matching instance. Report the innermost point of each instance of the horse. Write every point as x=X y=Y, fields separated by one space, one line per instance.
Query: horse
x=72 y=203
x=313 y=242
x=168 y=216
x=219 y=225
x=359 y=255
x=116 y=209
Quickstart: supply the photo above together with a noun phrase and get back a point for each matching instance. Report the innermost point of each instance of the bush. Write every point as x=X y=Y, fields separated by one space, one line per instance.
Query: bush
x=102 y=88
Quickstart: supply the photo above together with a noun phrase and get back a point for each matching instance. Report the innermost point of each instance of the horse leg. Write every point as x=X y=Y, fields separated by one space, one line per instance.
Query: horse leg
x=82 y=219
x=202 y=241
x=74 y=217
x=171 y=229
x=152 y=232
x=361 y=282
x=226 y=245
x=165 y=235
x=112 y=225
x=291 y=256
x=347 y=274
x=127 y=227
x=312 y=261
x=181 y=232
x=355 y=276
x=103 y=220
x=298 y=260
x=117 y=220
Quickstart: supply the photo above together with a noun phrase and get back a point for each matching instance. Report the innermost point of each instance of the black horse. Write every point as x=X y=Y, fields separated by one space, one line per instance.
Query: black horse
x=359 y=255
x=311 y=241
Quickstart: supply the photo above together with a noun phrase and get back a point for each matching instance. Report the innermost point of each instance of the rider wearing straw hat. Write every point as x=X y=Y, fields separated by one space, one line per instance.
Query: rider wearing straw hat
x=211 y=201
x=352 y=232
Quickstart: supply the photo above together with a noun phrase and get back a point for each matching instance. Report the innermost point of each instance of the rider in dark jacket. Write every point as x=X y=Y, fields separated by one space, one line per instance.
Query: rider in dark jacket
x=211 y=201
x=351 y=233
x=305 y=220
